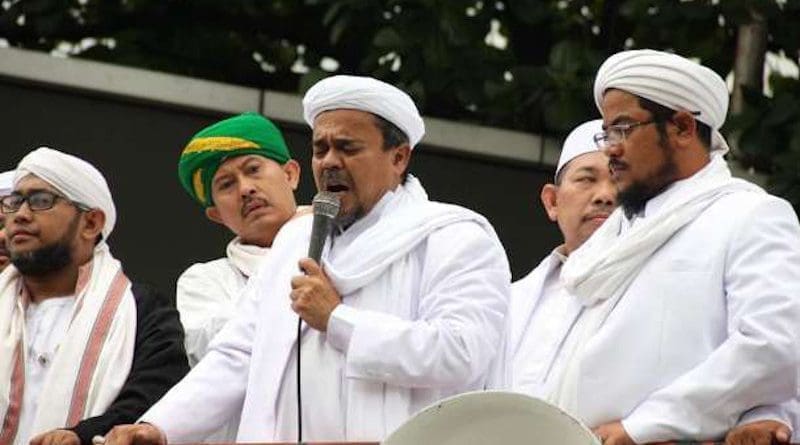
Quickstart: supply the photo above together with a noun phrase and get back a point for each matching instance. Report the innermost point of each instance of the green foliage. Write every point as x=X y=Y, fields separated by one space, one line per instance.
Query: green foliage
x=535 y=74
x=769 y=129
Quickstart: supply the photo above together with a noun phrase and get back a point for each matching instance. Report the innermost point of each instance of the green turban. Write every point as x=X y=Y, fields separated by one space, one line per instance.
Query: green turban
x=245 y=134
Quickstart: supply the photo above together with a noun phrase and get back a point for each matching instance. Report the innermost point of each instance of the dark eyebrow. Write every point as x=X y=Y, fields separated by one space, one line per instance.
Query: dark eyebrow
x=220 y=178
x=617 y=120
x=34 y=190
x=339 y=141
x=250 y=159
x=587 y=169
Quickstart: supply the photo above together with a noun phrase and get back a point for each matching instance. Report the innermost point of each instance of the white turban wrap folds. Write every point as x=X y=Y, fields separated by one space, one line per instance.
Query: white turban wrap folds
x=579 y=142
x=669 y=80
x=365 y=94
x=6 y=182
x=77 y=179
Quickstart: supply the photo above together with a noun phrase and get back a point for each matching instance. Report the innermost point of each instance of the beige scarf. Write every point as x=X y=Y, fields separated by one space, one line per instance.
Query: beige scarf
x=92 y=363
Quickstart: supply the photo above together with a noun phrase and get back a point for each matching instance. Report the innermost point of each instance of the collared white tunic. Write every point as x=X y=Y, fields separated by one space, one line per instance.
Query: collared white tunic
x=45 y=327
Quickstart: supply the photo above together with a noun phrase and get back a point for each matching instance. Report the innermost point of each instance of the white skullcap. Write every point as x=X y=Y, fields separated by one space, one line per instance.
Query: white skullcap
x=579 y=142
x=77 y=179
x=669 y=80
x=6 y=182
x=365 y=94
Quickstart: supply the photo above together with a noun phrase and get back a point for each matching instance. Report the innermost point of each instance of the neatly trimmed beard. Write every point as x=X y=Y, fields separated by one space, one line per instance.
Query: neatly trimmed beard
x=47 y=259
x=635 y=196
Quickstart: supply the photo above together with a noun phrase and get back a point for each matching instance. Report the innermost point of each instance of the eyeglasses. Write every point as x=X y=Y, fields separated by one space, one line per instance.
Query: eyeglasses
x=616 y=134
x=37 y=201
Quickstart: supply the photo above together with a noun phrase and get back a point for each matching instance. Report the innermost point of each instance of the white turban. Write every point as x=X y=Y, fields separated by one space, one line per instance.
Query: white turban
x=579 y=142
x=77 y=179
x=365 y=94
x=6 y=182
x=669 y=80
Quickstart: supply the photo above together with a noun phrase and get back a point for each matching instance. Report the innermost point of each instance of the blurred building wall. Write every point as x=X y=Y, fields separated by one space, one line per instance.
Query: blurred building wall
x=133 y=124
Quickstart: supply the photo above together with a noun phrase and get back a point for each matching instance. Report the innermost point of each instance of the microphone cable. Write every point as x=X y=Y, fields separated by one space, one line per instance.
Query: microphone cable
x=299 y=391
x=326 y=206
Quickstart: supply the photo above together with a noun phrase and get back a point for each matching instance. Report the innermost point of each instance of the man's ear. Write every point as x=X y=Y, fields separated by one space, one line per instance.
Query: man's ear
x=292 y=170
x=94 y=220
x=212 y=213
x=686 y=126
x=401 y=158
x=550 y=201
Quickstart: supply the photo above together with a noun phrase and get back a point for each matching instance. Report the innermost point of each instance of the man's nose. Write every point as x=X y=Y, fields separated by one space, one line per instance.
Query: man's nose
x=246 y=187
x=331 y=159
x=605 y=193
x=612 y=150
x=23 y=213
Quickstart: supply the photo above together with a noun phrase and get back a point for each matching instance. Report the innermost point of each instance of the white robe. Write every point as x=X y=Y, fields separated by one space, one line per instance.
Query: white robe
x=536 y=340
x=542 y=314
x=92 y=361
x=429 y=326
x=207 y=297
x=46 y=325
x=707 y=332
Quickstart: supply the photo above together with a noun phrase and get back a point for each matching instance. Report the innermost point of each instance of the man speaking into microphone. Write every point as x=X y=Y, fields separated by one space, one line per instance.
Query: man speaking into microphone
x=407 y=305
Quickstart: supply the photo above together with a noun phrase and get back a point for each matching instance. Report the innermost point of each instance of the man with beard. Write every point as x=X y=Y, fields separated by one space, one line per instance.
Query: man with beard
x=541 y=311
x=691 y=290
x=6 y=186
x=240 y=170
x=82 y=349
x=406 y=307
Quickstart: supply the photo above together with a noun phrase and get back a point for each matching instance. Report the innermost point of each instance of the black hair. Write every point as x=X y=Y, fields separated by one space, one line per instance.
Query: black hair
x=393 y=137
x=662 y=115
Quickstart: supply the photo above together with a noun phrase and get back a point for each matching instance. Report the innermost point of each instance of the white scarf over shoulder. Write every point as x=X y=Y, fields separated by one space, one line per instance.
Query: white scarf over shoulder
x=600 y=271
x=247 y=258
x=92 y=362
x=375 y=259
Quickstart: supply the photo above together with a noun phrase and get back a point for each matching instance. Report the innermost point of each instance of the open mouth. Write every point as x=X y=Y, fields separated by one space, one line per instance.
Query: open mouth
x=337 y=188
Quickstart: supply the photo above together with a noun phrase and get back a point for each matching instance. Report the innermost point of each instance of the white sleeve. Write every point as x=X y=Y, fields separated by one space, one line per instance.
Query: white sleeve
x=758 y=362
x=205 y=306
x=460 y=321
x=214 y=390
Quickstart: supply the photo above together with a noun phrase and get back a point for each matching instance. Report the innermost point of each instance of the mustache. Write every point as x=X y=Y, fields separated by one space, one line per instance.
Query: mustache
x=615 y=163
x=249 y=199
x=333 y=176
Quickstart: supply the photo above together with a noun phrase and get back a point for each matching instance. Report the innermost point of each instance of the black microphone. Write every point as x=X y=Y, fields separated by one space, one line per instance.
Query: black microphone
x=326 y=207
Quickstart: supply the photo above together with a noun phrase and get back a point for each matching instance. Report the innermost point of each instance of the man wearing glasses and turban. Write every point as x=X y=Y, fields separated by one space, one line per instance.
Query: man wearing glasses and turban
x=81 y=348
x=691 y=289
